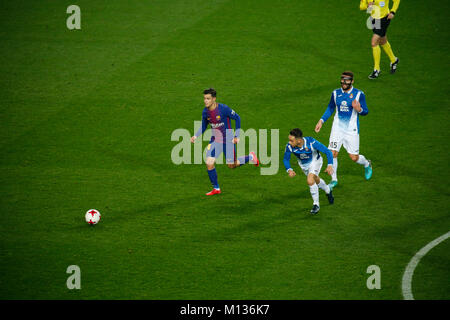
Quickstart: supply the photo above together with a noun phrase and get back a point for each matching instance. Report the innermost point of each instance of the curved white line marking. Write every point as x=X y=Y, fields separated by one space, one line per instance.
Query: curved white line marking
x=409 y=271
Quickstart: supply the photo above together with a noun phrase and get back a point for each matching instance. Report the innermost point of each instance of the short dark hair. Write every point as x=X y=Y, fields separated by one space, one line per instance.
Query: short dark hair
x=296 y=133
x=210 y=91
x=348 y=73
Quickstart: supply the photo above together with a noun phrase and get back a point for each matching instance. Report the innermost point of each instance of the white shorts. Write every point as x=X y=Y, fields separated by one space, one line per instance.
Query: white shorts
x=314 y=167
x=339 y=138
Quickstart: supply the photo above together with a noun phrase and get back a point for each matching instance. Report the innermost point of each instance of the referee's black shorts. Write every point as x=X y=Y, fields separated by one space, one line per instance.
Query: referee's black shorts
x=379 y=26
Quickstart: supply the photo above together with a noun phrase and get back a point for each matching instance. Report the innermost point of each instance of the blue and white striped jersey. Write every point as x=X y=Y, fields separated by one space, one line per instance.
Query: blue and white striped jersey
x=307 y=153
x=346 y=118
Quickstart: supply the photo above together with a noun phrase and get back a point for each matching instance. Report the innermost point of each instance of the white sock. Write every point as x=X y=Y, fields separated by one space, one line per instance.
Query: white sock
x=324 y=186
x=335 y=166
x=314 y=189
x=362 y=161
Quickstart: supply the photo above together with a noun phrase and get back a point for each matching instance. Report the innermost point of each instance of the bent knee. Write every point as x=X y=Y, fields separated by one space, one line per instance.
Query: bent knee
x=354 y=157
x=311 y=180
x=210 y=163
x=375 y=41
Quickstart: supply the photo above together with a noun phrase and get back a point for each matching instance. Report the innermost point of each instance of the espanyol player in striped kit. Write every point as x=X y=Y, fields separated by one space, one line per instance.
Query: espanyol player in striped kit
x=350 y=103
x=306 y=149
x=218 y=115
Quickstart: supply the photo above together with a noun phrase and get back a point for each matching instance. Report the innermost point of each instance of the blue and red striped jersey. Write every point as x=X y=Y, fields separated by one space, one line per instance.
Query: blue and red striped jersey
x=219 y=119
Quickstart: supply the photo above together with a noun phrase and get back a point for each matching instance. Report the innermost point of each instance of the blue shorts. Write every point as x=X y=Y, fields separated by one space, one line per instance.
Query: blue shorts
x=214 y=149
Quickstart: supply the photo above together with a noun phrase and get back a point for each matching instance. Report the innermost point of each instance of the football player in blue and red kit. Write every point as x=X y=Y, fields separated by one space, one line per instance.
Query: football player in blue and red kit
x=218 y=115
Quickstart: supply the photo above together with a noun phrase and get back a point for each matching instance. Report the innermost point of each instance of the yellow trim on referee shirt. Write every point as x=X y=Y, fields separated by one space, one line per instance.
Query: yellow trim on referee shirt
x=380 y=8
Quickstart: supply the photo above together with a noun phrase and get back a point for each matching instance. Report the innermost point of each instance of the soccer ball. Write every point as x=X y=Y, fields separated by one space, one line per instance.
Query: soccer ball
x=92 y=216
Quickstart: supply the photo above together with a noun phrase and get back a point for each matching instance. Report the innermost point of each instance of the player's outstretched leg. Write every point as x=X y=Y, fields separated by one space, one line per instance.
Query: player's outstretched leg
x=388 y=49
x=254 y=159
x=250 y=157
x=328 y=191
x=360 y=159
x=368 y=170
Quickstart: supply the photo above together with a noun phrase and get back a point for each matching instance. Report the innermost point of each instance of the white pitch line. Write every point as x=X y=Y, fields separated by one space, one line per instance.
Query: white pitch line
x=409 y=271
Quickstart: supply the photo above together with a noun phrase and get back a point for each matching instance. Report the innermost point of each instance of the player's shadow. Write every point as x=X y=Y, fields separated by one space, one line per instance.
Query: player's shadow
x=133 y=161
x=285 y=209
x=117 y=217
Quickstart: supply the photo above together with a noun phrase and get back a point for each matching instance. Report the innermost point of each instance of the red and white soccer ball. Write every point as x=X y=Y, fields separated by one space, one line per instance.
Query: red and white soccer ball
x=93 y=216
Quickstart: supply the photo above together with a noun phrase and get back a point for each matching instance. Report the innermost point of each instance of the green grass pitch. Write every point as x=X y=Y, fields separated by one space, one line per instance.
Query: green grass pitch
x=86 y=122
